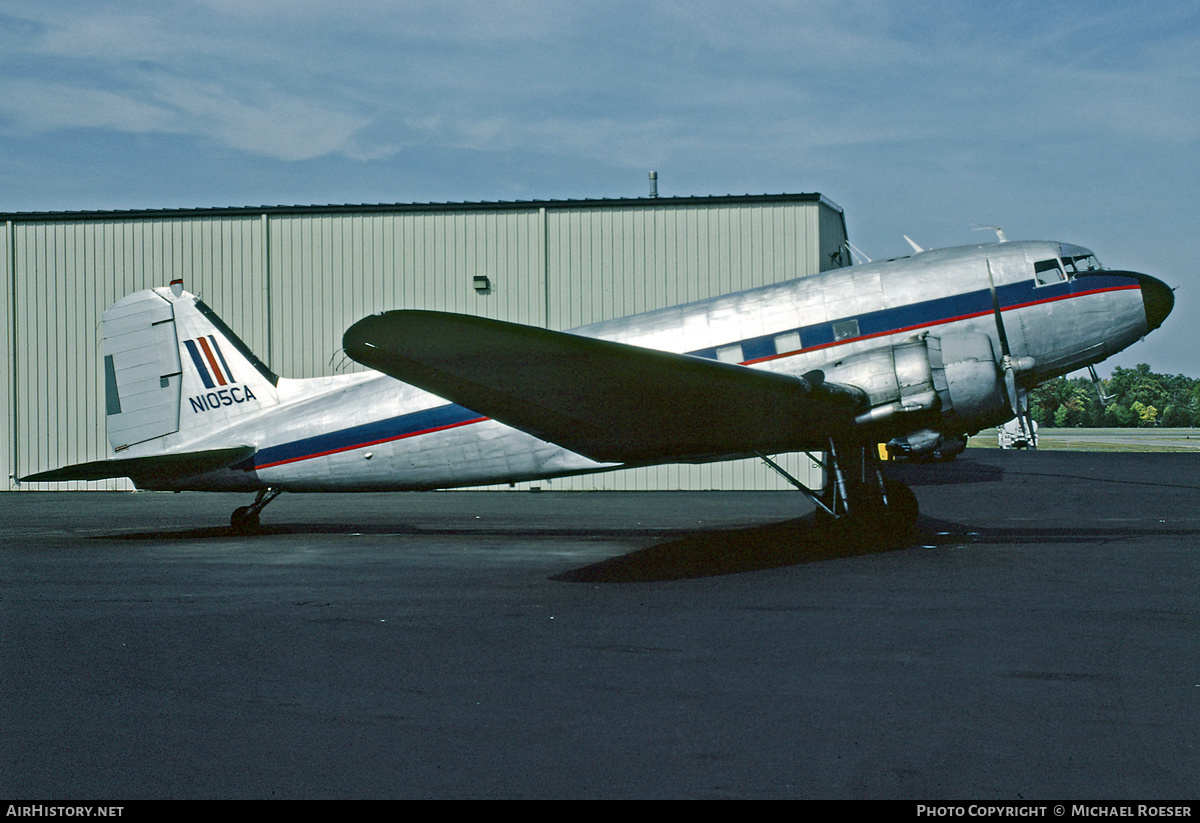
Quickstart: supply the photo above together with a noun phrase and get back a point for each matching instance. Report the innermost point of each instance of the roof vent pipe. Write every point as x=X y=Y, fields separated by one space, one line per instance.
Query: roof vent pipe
x=654 y=184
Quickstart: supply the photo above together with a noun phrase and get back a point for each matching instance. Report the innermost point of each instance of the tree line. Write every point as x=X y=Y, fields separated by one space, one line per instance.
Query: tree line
x=1135 y=397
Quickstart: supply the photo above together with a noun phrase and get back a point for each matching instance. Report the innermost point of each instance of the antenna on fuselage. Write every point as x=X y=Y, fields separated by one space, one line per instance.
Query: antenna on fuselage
x=340 y=362
x=855 y=250
x=999 y=230
x=916 y=248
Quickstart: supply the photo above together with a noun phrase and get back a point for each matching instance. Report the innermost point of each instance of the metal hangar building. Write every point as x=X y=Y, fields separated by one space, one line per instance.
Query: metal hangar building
x=290 y=280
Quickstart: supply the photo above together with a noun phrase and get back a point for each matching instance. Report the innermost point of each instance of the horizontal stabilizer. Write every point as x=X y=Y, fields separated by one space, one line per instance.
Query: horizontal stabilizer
x=145 y=471
x=608 y=401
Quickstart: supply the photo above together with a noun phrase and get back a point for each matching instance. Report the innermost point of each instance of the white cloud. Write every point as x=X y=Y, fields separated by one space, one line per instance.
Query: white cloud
x=613 y=81
x=271 y=124
x=45 y=105
x=916 y=116
x=276 y=126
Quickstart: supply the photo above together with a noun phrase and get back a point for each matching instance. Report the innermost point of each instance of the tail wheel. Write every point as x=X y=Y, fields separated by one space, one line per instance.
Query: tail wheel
x=244 y=520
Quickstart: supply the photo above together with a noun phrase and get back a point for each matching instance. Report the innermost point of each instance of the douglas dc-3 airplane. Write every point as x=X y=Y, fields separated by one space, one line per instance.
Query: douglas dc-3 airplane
x=924 y=348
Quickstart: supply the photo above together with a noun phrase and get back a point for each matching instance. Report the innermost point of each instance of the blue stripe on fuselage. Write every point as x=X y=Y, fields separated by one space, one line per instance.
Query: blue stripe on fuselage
x=872 y=324
x=927 y=313
x=379 y=431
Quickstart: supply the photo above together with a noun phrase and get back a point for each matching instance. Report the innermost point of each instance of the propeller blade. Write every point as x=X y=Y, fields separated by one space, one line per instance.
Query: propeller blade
x=996 y=311
x=1010 y=383
x=1018 y=400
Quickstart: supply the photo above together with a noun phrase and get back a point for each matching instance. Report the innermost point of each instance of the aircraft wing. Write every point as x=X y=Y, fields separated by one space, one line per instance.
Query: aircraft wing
x=150 y=469
x=611 y=402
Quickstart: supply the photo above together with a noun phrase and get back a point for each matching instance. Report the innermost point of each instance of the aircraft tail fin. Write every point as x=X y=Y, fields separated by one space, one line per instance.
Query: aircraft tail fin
x=172 y=366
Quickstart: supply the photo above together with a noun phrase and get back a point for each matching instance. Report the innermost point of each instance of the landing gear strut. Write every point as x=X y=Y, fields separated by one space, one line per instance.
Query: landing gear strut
x=856 y=494
x=245 y=519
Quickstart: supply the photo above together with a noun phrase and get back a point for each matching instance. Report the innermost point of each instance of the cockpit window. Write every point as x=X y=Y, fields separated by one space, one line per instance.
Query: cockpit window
x=1082 y=263
x=1047 y=272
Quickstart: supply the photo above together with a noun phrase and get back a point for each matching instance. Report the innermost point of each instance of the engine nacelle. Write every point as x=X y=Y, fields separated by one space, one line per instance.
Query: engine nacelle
x=953 y=383
x=974 y=396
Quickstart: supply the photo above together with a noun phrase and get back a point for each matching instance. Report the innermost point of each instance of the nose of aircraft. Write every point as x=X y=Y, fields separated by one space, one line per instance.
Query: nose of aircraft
x=1158 y=300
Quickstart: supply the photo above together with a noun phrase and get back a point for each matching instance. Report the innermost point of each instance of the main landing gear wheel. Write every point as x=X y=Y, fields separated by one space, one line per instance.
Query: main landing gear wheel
x=891 y=512
x=901 y=509
x=245 y=519
x=857 y=498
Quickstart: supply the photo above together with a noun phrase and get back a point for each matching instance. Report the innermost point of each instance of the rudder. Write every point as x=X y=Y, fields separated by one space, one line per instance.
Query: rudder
x=172 y=366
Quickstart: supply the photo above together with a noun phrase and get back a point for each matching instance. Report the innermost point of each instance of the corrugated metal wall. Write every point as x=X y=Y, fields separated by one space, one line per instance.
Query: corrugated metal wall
x=328 y=271
x=8 y=393
x=610 y=262
x=63 y=274
x=289 y=282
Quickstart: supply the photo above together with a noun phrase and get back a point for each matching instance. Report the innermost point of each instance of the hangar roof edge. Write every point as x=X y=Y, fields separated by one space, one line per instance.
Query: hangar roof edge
x=380 y=208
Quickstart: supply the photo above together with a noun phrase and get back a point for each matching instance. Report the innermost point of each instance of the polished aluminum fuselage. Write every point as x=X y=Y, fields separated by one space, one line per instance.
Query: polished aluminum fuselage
x=371 y=432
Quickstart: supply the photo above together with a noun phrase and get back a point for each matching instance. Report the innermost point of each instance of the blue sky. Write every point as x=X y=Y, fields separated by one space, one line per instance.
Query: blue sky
x=1058 y=120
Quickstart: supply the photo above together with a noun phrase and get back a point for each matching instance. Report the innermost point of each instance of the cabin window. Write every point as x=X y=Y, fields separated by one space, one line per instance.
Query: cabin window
x=729 y=354
x=1047 y=272
x=845 y=329
x=787 y=342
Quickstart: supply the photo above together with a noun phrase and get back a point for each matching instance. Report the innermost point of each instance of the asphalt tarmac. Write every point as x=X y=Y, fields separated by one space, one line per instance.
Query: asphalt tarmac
x=1038 y=638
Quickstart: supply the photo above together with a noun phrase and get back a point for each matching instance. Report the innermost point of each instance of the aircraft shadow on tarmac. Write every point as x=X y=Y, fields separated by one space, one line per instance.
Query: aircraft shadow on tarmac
x=267 y=530
x=795 y=542
x=713 y=553
x=692 y=555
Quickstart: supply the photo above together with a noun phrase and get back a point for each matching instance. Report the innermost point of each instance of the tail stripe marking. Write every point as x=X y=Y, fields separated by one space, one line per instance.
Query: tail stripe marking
x=212 y=361
x=209 y=362
x=199 y=363
x=221 y=357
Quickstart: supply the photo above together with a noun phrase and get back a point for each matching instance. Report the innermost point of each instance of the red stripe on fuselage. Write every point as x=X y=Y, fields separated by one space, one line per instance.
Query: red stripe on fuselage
x=341 y=449
x=936 y=323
